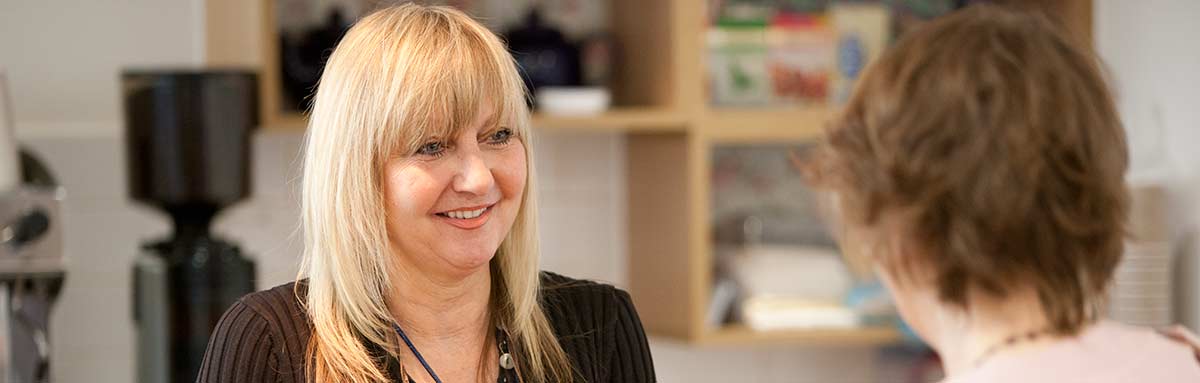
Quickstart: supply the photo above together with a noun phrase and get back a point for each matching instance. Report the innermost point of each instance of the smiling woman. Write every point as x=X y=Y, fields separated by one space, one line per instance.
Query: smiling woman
x=421 y=257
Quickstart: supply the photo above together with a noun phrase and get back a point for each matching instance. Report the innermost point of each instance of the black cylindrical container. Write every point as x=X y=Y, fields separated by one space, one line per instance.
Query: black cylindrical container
x=188 y=153
x=188 y=136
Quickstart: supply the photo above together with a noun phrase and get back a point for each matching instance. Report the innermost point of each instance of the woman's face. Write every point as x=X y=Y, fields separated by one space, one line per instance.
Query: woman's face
x=452 y=202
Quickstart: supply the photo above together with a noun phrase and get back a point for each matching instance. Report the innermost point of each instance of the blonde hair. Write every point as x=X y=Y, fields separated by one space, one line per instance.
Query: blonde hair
x=401 y=75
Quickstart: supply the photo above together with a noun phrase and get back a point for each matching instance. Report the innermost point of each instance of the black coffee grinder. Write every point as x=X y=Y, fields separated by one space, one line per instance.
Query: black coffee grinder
x=188 y=152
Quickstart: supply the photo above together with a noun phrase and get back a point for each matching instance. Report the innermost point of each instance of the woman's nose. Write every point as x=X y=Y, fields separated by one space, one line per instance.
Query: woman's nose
x=474 y=176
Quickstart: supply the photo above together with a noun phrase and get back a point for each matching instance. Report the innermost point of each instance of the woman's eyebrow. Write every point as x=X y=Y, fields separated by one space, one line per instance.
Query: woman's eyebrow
x=490 y=124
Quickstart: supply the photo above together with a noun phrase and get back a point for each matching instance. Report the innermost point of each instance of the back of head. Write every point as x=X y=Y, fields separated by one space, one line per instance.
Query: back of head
x=995 y=141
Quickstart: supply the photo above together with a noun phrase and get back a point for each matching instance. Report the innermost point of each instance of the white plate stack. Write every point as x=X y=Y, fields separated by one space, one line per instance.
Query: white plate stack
x=1141 y=289
x=790 y=287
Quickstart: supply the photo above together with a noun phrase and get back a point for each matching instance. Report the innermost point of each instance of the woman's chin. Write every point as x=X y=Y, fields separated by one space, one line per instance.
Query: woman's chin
x=468 y=261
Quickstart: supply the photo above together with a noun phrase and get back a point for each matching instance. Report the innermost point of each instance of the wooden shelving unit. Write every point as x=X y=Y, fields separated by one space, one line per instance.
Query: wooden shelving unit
x=621 y=119
x=624 y=119
x=671 y=130
x=737 y=335
x=765 y=125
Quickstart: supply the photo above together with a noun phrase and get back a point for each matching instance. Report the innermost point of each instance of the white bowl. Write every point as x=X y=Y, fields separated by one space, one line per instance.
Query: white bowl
x=573 y=101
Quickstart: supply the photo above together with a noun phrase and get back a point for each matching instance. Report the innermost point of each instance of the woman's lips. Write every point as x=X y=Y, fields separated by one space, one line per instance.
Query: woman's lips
x=468 y=218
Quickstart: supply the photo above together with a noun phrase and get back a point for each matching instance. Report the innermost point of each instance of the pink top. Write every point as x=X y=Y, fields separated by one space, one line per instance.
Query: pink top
x=1107 y=352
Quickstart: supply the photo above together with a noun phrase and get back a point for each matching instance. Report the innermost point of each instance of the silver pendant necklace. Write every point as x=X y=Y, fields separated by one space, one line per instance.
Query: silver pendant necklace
x=508 y=372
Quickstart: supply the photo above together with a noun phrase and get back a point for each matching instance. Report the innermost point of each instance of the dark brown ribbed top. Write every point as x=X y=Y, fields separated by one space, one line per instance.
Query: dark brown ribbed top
x=263 y=337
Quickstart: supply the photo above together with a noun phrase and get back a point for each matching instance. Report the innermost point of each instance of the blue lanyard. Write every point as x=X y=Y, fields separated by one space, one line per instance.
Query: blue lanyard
x=416 y=353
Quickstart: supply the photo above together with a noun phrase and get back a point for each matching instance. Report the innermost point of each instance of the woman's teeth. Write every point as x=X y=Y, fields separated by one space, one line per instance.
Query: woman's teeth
x=465 y=214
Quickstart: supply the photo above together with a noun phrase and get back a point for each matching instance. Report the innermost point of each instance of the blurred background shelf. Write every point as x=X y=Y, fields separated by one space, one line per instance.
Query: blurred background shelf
x=740 y=335
x=766 y=125
x=287 y=122
x=619 y=119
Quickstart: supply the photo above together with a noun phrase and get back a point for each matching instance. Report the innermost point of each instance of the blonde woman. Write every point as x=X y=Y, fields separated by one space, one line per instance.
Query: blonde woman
x=421 y=257
x=981 y=163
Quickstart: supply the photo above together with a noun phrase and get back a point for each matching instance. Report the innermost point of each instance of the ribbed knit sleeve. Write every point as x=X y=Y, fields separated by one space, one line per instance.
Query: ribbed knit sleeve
x=261 y=338
x=629 y=353
x=598 y=327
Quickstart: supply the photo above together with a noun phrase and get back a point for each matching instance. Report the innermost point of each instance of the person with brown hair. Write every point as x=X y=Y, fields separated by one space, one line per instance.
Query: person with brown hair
x=981 y=164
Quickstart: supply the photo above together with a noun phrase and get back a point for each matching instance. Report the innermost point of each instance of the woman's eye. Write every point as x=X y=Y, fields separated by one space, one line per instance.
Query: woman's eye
x=501 y=136
x=432 y=149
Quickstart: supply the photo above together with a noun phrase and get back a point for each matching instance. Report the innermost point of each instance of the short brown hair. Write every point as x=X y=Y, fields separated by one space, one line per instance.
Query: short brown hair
x=998 y=140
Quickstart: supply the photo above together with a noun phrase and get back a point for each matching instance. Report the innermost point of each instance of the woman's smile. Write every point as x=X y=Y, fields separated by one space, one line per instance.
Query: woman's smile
x=466 y=218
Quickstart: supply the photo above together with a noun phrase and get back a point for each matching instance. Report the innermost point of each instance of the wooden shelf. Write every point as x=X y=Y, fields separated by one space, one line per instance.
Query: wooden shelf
x=765 y=125
x=740 y=335
x=621 y=119
x=287 y=121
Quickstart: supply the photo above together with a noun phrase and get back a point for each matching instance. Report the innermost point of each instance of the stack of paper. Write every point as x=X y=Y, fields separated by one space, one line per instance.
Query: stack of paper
x=787 y=287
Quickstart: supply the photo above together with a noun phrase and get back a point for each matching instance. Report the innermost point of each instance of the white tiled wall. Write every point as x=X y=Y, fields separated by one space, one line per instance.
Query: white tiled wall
x=582 y=221
x=582 y=197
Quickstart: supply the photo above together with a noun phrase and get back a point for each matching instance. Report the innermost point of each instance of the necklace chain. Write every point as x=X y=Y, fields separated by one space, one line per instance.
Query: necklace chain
x=1009 y=342
x=508 y=374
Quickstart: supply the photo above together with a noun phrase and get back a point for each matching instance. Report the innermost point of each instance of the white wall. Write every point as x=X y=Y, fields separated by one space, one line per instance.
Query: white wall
x=64 y=57
x=1152 y=48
